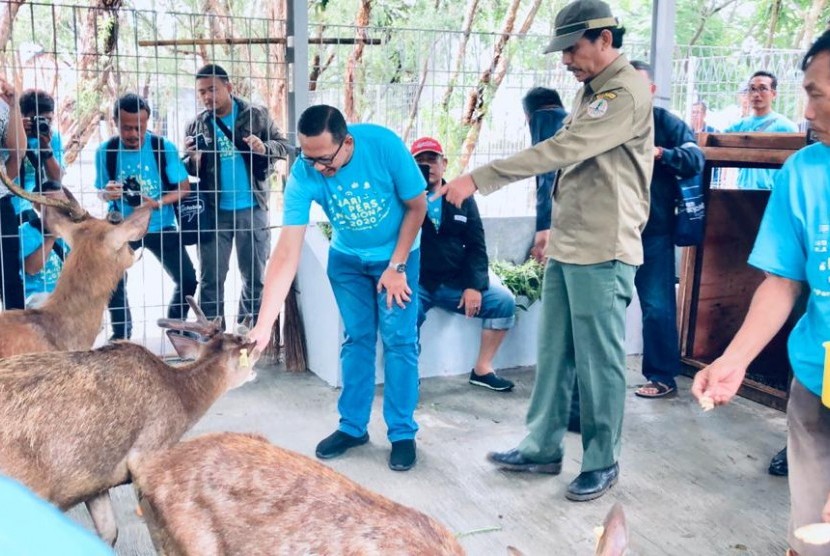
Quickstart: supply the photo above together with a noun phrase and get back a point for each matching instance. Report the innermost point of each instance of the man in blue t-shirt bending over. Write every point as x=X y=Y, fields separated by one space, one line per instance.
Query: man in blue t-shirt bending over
x=373 y=193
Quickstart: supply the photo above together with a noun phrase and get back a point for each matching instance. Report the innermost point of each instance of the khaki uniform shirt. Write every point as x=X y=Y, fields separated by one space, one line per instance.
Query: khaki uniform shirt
x=605 y=151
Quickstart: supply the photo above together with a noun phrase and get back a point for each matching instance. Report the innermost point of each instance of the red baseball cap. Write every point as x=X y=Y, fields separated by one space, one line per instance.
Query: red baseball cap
x=426 y=145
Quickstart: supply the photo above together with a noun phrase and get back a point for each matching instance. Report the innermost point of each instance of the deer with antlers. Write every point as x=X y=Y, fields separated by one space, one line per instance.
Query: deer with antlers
x=69 y=421
x=72 y=315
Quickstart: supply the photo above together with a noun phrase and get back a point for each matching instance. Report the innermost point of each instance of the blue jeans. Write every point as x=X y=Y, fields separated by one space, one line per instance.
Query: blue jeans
x=655 y=287
x=364 y=312
x=498 y=306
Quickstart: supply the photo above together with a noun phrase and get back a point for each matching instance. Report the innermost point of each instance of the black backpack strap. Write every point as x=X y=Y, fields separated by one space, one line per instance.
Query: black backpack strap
x=112 y=157
x=157 y=145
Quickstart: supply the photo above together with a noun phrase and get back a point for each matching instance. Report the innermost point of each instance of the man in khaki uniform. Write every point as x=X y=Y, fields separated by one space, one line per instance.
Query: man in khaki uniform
x=605 y=152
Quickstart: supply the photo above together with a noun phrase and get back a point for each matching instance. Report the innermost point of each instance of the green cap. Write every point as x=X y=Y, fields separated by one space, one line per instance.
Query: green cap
x=577 y=17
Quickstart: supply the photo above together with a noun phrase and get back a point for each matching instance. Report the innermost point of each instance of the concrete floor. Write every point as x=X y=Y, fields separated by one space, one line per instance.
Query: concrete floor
x=691 y=482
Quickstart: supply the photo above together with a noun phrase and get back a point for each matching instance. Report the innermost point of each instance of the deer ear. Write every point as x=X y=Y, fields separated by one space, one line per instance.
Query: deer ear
x=59 y=223
x=133 y=227
x=186 y=346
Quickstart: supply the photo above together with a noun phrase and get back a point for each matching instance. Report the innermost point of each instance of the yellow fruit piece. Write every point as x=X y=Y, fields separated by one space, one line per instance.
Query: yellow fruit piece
x=243 y=358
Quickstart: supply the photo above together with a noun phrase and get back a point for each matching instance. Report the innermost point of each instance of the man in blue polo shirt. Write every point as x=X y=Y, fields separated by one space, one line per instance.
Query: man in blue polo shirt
x=793 y=248
x=372 y=191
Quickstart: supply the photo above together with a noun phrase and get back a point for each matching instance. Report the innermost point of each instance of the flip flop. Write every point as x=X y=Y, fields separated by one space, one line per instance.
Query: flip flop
x=662 y=390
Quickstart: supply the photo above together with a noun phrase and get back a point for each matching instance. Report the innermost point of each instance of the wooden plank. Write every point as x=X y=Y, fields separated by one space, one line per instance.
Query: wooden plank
x=774 y=141
x=746 y=158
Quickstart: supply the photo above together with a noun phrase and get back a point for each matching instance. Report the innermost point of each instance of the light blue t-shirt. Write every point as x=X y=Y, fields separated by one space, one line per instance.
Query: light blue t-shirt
x=235 y=184
x=29 y=180
x=364 y=200
x=143 y=165
x=45 y=280
x=30 y=526
x=793 y=243
x=760 y=178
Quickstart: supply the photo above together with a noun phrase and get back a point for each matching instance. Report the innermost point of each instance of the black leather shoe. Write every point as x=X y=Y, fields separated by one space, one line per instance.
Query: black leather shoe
x=778 y=465
x=337 y=443
x=589 y=485
x=403 y=455
x=513 y=460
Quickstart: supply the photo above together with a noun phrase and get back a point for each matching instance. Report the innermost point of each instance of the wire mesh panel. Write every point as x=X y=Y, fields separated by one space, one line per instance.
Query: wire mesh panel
x=85 y=58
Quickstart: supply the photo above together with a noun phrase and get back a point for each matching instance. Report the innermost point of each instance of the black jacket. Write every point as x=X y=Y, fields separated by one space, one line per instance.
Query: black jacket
x=251 y=120
x=681 y=159
x=455 y=255
x=544 y=123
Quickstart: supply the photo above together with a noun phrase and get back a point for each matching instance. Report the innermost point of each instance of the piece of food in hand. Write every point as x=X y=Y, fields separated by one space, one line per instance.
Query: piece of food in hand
x=815 y=533
x=706 y=402
x=243 y=358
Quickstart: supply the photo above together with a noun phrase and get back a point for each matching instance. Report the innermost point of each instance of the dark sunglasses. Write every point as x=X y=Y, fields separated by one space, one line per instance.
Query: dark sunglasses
x=323 y=160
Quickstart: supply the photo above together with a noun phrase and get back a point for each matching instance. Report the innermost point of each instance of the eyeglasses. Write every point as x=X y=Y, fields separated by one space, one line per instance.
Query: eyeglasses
x=762 y=89
x=323 y=160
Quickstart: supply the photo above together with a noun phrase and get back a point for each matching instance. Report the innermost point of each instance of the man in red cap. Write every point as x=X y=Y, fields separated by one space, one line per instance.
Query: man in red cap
x=455 y=271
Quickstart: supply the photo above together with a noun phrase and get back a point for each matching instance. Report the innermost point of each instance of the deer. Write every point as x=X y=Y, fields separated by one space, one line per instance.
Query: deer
x=100 y=254
x=70 y=421
x=224 y=494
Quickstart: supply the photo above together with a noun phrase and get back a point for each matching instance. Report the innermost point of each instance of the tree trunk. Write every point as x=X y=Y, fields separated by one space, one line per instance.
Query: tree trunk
x=413 y=111
x=8 y=11
x=276 y=82
x=479 y=99
x=807 y=31
x=355 y=59
x=79 y=117
x=466 y=29
x=775 y=13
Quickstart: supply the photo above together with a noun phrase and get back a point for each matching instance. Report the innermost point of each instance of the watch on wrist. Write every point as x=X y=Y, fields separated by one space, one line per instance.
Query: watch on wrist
x=400 y=268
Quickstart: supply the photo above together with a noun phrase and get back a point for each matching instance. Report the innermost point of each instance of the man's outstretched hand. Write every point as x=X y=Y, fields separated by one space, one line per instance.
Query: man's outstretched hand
x=457 y=190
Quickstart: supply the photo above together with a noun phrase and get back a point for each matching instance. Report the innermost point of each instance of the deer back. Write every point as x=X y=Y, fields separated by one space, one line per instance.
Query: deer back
x=237 y=494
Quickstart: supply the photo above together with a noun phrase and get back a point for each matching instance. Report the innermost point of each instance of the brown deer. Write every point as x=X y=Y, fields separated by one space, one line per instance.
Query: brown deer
x=71 y=317
x=228 y=494
x=69 y=421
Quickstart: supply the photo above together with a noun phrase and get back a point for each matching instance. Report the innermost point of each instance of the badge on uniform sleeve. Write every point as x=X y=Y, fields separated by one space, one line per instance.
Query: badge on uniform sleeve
x=598 y=108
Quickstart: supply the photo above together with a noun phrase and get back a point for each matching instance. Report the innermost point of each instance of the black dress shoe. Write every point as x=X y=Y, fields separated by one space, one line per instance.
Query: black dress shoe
x=337 y=443
x=589 y=485
x=513 y=460
x=778 y=465
x=403 y=455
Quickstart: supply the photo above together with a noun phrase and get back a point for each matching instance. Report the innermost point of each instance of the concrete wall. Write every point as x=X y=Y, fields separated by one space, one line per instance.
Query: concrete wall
x=449 y=342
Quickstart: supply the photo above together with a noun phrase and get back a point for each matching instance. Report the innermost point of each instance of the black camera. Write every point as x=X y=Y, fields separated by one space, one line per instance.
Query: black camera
x=41 y=125
x=201 y=142
x=131 y=191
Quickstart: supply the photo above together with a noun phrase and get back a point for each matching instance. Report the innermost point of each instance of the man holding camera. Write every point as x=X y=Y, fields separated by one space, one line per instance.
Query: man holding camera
x=129 y=174
x=232 y=147
x=44 y=154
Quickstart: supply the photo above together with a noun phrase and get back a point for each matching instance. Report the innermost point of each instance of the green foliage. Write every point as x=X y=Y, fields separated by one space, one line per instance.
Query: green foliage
x=524 y=280
x=325 y=227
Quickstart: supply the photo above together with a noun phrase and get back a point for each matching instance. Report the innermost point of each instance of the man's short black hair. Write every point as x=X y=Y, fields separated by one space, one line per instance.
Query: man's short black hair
x=212 y=70
x=318 y=119
x=822 y=44
x=35 y=101
x=639 y=65
x=616 y=35
x=540 y=97
x=765 y=73
x=130 y=103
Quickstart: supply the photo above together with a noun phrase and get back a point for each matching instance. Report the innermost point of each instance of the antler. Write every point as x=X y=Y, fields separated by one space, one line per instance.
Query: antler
x=202 y=326
x=70 y=205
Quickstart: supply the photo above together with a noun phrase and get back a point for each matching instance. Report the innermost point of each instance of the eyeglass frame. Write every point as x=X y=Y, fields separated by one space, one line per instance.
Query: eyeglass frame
x=325 y=161
x=762 y=89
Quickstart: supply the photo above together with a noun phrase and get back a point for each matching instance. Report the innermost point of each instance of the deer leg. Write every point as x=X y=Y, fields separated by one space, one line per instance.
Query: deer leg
x=103 y=517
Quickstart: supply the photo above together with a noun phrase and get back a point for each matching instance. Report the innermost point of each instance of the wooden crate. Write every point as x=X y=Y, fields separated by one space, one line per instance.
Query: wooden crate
x=716 y=283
